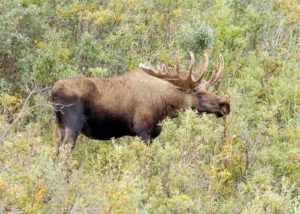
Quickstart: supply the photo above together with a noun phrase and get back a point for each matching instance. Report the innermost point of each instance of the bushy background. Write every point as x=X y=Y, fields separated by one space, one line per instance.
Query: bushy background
x=246 y=163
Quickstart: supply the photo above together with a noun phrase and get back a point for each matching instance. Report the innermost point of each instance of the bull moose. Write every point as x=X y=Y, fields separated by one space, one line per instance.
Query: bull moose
x=135 y=102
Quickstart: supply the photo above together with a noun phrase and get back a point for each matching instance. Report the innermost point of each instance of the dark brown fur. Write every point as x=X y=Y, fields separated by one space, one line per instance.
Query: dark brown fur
x=132 y=104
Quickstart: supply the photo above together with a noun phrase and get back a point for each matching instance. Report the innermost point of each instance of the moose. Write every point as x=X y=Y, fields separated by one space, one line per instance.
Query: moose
x=135 y=102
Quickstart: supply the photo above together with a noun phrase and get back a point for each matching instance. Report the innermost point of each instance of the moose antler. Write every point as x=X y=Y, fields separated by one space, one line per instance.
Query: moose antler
x=215 y=77
x=187 y=80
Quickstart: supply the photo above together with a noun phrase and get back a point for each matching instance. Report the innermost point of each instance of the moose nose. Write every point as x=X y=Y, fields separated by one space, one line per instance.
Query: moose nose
x=224 y=107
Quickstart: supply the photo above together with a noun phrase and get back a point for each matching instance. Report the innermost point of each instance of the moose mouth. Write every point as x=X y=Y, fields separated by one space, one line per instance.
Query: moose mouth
x=219 y=114
x=224 y=110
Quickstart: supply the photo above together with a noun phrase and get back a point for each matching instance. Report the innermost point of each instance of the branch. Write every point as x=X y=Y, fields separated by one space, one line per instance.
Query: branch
x=22 y=112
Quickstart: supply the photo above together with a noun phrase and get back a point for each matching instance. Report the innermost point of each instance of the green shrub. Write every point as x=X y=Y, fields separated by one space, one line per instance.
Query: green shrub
x=245 y=163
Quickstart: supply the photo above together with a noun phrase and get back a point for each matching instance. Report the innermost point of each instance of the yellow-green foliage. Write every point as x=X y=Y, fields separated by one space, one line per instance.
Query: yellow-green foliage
x=248 y=162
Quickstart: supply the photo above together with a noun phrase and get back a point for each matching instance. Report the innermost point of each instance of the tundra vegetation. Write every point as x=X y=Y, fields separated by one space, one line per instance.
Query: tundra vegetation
x=248 y=162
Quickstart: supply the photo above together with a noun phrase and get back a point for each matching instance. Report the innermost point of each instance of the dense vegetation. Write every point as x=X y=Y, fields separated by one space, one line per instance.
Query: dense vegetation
x=246 y=163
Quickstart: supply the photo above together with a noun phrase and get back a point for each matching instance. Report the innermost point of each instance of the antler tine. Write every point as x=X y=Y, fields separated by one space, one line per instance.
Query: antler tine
x=190 y=71
x=202 y=67
x=149 y=69
x=221 y=69
x=160 y=72
x=177 y=65
x=165 y=69
x=158 y=67
x=217 y=71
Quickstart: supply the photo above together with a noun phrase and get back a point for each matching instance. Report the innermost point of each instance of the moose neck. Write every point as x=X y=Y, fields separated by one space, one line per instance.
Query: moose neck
x=179 y=101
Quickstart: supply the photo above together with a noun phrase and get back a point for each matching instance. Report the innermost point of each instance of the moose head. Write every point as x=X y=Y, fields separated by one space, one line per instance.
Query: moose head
x=194 y=83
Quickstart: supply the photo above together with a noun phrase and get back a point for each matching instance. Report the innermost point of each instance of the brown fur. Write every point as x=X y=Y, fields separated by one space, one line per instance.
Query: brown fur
x=131 y=104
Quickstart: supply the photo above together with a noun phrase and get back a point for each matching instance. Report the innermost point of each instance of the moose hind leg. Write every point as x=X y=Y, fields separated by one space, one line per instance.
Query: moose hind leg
x=61 y=134
x=70 y=137
x=61 y=129
x=72 y=120
x=67 y=139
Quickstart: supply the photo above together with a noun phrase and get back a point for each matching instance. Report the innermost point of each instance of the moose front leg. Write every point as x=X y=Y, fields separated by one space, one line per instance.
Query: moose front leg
x=147 y=139
x=143 y=131
x=145 y=127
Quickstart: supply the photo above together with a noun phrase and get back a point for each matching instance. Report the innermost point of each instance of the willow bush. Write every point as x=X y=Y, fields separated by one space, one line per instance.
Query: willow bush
x=247 y=162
